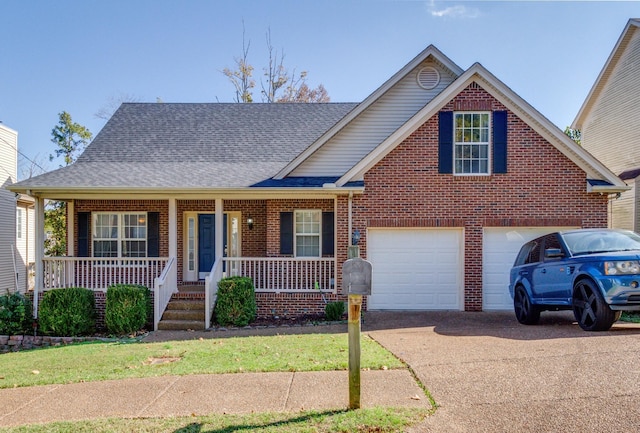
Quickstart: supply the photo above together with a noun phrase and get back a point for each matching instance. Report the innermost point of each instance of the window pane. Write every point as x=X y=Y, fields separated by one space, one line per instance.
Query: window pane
x=307 y=246
x=105 y=249
x=134 y=249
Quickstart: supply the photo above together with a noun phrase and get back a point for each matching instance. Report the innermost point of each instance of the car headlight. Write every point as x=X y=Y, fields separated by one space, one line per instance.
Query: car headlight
x=624 y=267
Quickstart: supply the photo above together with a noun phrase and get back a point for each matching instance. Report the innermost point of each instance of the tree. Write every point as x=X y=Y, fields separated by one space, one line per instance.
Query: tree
x=106 y=111
x=574 y=134
x=279 y=84
x=70 y=138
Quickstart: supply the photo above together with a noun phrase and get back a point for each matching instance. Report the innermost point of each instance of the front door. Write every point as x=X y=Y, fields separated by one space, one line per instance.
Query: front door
x=206 y=244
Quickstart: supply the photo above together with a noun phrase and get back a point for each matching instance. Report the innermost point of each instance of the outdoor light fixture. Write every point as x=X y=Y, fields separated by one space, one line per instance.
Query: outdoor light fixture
x=250 y=223
x=356 y=237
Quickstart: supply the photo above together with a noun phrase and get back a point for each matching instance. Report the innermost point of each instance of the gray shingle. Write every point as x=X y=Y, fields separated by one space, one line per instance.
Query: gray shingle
x=162 y=145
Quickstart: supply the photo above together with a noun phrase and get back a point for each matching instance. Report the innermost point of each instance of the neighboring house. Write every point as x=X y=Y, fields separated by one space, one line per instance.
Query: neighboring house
x=608 y=120
x=444 y=172
x=16 y=221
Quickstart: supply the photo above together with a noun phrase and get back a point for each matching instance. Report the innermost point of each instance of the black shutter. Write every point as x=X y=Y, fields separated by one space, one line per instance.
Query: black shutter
x=445 y=142
x=84 y=225
x=327 y=234
x=286 y=232
x=153 y=234
x=499 y=141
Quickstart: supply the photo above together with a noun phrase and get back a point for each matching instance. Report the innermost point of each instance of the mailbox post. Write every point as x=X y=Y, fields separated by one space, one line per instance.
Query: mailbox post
x=356 y=282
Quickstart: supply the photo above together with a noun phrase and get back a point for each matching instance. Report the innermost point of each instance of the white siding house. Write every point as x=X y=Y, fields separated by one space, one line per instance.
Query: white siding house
x=8 y=169
x=608 y=120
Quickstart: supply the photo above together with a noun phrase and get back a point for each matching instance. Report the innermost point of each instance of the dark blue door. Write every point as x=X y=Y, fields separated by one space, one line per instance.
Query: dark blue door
x=207 y=242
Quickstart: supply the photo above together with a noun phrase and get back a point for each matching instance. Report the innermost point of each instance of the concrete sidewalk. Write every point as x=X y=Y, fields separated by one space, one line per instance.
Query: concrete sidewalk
x=206 y=394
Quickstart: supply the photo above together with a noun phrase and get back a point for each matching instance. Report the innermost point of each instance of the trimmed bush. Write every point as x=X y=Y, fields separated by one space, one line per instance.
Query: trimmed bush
x=236 y=303
x=334 y=310
x=15 y=314
x=67 y=312
x=127 y=308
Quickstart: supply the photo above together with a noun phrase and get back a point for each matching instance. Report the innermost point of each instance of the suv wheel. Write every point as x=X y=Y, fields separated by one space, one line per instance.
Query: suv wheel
x=590 y=309
x=526 y=312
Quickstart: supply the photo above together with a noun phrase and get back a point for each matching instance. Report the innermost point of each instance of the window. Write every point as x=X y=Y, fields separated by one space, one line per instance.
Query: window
x=307 y=233
x=471 y=143
x=19 y=223
x=120 y=235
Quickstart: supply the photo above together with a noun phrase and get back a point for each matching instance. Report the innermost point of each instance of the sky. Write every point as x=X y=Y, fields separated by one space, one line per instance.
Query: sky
x=80 y=56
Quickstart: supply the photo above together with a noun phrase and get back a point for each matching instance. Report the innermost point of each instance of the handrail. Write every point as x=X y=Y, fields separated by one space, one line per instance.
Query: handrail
x=210 y=290
x=162 y=291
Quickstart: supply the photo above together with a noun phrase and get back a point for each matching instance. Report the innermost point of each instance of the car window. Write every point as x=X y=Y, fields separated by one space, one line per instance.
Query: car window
x=534 y=252
x=601 y=241
x=523 y=255
x=552 y=242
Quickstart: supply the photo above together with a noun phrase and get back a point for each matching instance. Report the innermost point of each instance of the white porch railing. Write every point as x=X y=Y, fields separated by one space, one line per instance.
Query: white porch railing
x=210 y=290
x=163 y=287
x=99 y=273
x=277 y=274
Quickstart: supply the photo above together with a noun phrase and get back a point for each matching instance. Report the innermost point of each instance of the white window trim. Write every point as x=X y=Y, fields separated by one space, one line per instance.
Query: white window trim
x=120 y=238
x=19 y=218
x=489 y=144
x=295 y=233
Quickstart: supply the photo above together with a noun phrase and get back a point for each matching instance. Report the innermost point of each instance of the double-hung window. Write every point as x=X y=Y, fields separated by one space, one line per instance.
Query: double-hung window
x=308 y=230
x=471 y=143
x=119 y=234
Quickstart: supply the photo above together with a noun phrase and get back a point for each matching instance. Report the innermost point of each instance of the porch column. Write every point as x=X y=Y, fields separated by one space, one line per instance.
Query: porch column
x=173 y=240
x=219 y=229
x=39 y=252
x=70 y=229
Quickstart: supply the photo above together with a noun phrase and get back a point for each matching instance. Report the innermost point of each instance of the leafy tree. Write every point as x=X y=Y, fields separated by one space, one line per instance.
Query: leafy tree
x=106 y=111
x=574 y=134
x=279 y=84
x=70 y=138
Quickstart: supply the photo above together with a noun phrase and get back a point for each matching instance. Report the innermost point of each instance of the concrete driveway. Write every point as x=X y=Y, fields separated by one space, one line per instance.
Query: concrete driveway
x=487 y=373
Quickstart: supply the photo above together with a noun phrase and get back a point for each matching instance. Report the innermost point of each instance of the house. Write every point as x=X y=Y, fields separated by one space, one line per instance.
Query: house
x=444 y=172
x=607 y=121
x=16 y=221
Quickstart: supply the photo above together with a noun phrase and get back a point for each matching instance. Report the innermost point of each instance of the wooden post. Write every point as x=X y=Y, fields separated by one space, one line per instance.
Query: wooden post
x=355 y=305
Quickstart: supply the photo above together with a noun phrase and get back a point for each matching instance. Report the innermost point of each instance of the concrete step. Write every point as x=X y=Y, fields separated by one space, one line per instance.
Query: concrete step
x=186 y=304
x=185 y=315
x=181 y=325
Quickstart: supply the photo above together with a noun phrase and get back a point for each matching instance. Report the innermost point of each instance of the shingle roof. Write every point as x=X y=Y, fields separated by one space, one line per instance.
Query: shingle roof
x=161 y=145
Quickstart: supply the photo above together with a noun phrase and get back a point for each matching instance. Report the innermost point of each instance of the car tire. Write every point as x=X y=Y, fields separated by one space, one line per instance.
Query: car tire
x=589 y=307
x=526 y=312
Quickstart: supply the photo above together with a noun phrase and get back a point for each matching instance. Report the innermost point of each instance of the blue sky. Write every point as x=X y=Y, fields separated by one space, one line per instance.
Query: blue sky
x=77 y=55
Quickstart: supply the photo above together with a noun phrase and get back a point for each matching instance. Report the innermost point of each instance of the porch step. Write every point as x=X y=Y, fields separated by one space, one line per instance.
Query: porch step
x=183 y=314
x=191 y=288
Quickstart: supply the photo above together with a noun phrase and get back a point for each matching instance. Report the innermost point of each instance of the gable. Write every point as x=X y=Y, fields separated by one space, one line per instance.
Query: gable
x=477 y=74
x=372 y=126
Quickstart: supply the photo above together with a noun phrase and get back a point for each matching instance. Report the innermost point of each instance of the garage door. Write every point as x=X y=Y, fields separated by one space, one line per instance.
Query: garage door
x=499 y=250
x=415 y=269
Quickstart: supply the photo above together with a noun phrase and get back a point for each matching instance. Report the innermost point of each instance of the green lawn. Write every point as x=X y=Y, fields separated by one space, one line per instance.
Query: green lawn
x=103 y=361
x=378 y=420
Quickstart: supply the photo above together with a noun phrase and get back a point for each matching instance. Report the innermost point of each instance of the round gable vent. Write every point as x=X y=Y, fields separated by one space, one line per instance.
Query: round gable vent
x=428 y=77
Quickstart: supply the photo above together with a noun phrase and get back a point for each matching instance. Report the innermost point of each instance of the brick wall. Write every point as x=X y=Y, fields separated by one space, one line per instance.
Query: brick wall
x=541 y=188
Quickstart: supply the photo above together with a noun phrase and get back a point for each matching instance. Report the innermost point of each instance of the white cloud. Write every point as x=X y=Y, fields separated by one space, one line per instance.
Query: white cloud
x=455 y=11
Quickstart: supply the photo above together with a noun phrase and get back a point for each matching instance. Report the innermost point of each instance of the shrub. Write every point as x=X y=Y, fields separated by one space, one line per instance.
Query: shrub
x=127 y=308
x=236 y=302
x=67 y=312
x=334 y=310
x=15 y=314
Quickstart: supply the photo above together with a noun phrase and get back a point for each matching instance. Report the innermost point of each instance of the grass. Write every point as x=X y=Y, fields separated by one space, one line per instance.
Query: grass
x=633 y=317
x=378 y=420
x=104 y=361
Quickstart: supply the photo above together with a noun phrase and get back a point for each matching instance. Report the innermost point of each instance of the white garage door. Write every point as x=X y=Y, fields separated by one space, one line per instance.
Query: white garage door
x=415 y=269
x=499 y=251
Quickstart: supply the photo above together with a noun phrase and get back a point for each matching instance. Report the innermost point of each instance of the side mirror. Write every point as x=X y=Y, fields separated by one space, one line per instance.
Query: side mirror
x=553 y=253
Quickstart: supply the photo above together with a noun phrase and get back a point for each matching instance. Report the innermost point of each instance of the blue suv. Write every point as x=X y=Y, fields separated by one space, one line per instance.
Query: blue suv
x=594 y=272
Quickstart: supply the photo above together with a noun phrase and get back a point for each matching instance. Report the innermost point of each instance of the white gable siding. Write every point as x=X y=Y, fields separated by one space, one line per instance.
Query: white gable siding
x=375 y=124
x=8 y=168
x=610 y=132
